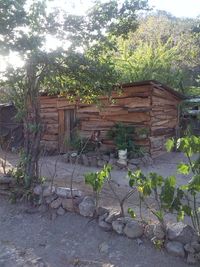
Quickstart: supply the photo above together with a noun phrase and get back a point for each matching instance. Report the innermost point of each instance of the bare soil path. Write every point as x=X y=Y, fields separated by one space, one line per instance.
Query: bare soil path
x=69 y=241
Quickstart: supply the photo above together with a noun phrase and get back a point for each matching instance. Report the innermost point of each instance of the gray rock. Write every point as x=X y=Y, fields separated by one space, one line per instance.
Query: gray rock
x=196 y=246
x=131 y=166
x=48 y=191
x=65 y=157
x=51 y=198
x=60 y=211
x=158 y=231
x=87 y=207
x=175 y=248
x=103 y=217
x=67 y=204
x=101 y=211
x=113 y=215
x=133 y=229
x=135 y=161
x=180 y=232
x=37 y=190
x=85 y=160
x=66 y=192
x=112 y=161
x=112 y=155
x=121 y=165
x=189 y=249
x=148 y=231
x=56 y=203
x=104 y=248
x=105 y=158
x=118 y=226
x=105 y=226
x=73 y=157
x=139 y=242
x=191 y=259
x=101 y=163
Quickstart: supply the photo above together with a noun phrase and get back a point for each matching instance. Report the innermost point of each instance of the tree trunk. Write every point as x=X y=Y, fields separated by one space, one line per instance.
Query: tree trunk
x=32 y=129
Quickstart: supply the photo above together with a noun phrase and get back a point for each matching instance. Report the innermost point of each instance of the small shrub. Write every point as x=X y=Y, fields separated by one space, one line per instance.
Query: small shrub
x=122 y=135
x=97 y=180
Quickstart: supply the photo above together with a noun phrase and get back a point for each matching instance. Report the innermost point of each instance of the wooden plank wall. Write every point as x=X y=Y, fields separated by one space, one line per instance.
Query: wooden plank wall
x=164 y=119
x=132 y=107
x=141 y=106
x=49 y=118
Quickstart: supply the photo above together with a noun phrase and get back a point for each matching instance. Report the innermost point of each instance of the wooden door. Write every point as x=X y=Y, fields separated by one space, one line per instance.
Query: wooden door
x=66 y=125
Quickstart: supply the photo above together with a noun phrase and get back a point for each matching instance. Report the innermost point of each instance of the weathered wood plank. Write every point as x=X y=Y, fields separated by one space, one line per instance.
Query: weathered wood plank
x=61 y=130
x=49 y=117
x=64 y=104
x=96 y=125
x=157 y=101
x=51 y=128
x=164 y=94
x=48 y=110
x=131 y=117
x=162 y=131
x=50 y=137
x=133 y=102
x=89 y=109
x=139 y=109
x=50 y=145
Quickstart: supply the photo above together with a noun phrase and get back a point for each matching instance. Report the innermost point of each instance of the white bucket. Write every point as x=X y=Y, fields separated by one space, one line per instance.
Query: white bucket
x=122 y=155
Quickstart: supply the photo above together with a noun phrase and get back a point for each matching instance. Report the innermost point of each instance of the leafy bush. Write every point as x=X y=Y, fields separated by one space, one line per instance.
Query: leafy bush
x=122 y=136
x=97 y=180
x=163 y=190
x=167 y=196
x=190 y=146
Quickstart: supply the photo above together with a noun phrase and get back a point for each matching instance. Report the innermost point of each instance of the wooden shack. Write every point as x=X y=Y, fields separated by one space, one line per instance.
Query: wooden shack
x=146 y=105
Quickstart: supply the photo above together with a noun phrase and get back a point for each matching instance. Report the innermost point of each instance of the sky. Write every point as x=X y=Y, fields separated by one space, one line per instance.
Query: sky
x=179 y=8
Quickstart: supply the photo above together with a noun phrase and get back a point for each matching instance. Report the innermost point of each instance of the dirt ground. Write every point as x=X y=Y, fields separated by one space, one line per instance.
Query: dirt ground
x=55 y=168
x=71 y=240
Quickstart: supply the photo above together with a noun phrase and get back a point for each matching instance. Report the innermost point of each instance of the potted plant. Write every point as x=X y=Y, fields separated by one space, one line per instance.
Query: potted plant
x=122 y=136
x=142 y=133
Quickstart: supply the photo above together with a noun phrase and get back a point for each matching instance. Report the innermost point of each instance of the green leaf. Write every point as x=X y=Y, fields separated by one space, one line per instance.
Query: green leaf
x=159 y=215
x=184 y=187
x=147 y=189
x=131 y=182
x=180 y=215
x=131 y=213
x=194 y=183
x=156 y=180
x=169 y=144
x=168 y=192
x=171 y=180
x=183 y=168
x=187 y=210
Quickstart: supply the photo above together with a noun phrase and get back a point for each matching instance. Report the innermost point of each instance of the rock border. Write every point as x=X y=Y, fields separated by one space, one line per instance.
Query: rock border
x=93 y=160
x=178 y=239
